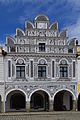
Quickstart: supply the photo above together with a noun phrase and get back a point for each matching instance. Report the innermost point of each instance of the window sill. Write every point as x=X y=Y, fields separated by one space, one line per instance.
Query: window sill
x=63 y=79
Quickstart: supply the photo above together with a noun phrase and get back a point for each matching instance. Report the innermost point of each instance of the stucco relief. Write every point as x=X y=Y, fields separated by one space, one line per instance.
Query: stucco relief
x=50 y=88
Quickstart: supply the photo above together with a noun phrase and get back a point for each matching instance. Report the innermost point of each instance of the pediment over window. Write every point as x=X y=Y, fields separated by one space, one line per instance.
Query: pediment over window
x=42 y=62
x=20 y=62
x=41 y=17
x=63 y=62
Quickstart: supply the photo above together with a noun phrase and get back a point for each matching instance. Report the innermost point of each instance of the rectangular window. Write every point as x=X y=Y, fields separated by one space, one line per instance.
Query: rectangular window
x=41 y=71
x=41 y=47
x=20 y=71
x=9 y=68
x=52 y=68
x=63 y=72
x=31 y=68
x=73 y=69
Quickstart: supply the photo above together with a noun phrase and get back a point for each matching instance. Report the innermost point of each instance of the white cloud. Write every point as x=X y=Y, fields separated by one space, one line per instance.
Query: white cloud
x=74 y=30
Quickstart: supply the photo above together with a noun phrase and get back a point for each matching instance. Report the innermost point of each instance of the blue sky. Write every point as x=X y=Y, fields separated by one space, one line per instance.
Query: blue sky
x=13 y=14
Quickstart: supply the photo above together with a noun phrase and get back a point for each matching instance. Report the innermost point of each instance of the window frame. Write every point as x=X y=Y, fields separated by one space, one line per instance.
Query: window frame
x=21 y=72
x=42 y=73
x=42 y=47
x=64 y=71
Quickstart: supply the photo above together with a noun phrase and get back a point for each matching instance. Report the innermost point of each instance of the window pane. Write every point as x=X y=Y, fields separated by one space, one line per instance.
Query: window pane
x=41 y=71
x=22 y=74
x=22 y=68
x=18 y=74
x=42 y=47
x=20 y=71
x=63 y=71
x=18 y=68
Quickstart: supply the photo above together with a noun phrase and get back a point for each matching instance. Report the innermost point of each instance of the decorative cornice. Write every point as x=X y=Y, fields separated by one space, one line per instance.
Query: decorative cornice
x=41 y=55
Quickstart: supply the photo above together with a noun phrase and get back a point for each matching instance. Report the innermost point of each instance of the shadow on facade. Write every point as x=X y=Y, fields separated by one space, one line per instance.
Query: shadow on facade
x=16 y=101
x=39 y=101
x=63 y=101
x=79 y=102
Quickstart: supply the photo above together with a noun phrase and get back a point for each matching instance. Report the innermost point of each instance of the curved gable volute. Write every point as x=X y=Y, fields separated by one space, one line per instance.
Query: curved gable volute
x=54 y=26
x=28 y=25
x=19 y=32
x=10 y=41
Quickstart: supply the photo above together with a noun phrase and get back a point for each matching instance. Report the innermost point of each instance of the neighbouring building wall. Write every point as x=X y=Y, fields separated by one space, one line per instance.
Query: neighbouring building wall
x=1 y=69
x=78 y=72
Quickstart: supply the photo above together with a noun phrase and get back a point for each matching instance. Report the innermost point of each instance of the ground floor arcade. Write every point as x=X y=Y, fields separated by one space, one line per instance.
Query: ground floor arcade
x=39 y=100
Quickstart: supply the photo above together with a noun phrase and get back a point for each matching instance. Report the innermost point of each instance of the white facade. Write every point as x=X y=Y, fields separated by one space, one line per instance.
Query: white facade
x=40 y=63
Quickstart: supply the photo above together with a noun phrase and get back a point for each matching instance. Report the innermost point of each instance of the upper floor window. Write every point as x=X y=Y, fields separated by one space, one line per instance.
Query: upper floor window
x=20 y=69
x=63 y=69
x=70 y=50
x=42 y=69
x=41 y=47
x=12 y=49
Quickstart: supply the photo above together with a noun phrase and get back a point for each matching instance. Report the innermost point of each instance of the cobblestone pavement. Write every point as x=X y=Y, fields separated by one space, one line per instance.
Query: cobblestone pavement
x=41 y=116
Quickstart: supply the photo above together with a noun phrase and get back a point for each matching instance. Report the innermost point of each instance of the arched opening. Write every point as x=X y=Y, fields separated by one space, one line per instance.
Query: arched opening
x=39 y=101
x=16 y=101
x=79 y=102
x=63 y=101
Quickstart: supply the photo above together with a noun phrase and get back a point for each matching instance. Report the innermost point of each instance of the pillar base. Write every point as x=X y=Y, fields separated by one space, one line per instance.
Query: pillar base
x=51 y=104
x=2 y=107
x=27 y=106
x=74 y=105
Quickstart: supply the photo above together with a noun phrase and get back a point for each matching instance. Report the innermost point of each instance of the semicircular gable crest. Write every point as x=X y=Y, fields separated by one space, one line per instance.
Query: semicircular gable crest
x=41 y=17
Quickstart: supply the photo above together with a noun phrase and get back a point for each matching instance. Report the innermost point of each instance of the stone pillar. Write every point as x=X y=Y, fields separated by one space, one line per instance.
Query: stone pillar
x=28 y=106
x=2 y=107
x=51 y=104
x=74 y=105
